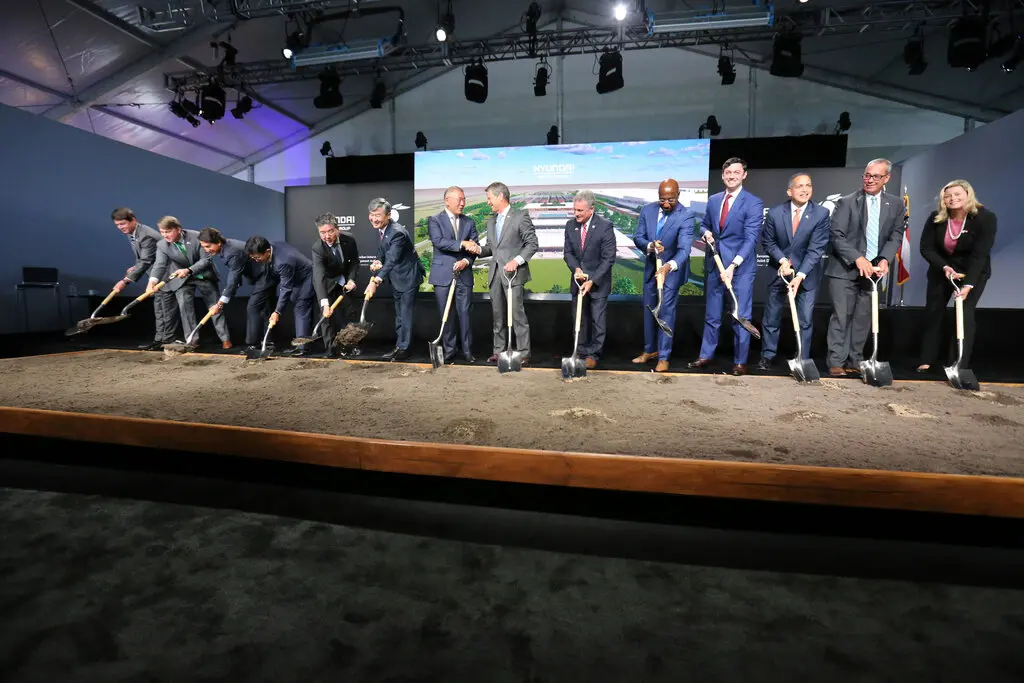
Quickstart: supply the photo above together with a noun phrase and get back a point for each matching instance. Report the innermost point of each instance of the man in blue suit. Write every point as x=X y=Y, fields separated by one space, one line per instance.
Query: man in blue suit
x=665 y=227
x=453 y=235
x=794 y=236
x=589 y=252
x=294 y=274
x=240 y=266
x=733 y=222
x=397 y=262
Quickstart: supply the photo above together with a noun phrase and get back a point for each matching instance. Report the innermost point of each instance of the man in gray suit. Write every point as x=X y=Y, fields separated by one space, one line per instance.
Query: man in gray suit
x=180 y=254
x=867 y=229
x=143 y=240
x=511 y=241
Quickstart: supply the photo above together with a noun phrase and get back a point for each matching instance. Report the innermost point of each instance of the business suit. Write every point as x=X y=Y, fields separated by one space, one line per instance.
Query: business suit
x=188 y=253
x=595 y=257
x=402 y=268
x=165 y=310
x=261 y=299
x=676 y=235
x=737 y=237
x=517 y=241
x=447 y=240
x=850 y=323
x=972 y=257
x=333 y=268
x=294 y=275
x=804 y=247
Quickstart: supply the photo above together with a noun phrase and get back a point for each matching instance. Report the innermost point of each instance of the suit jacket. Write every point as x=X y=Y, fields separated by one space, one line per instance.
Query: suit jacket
x=596 y=258
x=448 y=248
x=169 y=258
x=144 y=248
x=518 y=238
x=848 y=233
x=327 y=267
x=804 y=249
x=676 y=236
x=739 y=235
x=972 y=254
x=239 y=265
x=401 y=263
x=291 y=269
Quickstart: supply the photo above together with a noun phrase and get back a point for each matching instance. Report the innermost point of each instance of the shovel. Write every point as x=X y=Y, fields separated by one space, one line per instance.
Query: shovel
x=875 y=373
x=355 y=332
x=124 y=312
x=300 y=341
x=963 y=379
x=175 y=348
x=747 y=325
x=661 y=286
x=435 y=347
x=263 y=352
x=802 y=369
x=575 y=367
x=509 y=360
x=92 y=321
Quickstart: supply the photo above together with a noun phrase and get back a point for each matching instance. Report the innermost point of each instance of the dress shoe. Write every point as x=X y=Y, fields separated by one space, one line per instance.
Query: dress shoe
x=645 y=357
x=765 y=364
x=152 y=346
x=396 y=354
x=333 y=352
x=739 y=370
x=924 y=368
x=524 y=361
x=852 y=372
x=449 y=360
x=836 y=372
x=591 y=363
x=226 y=345
x=662 y=366
x=296 y=352
x=469 y=358
x=699 y=363
x=493 y=358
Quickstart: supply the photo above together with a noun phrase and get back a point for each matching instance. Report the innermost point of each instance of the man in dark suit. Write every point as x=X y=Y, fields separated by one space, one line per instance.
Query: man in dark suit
x=511 y=242
x=794 y=236
x=143 y=240
x=398 y=263
x=867 y=229
x=335 y=262
x=294 y=275
x=453 y=235
x=732 y=222
x=239 y=266
x=180 y=254
x=664 y=228
x=589 y=252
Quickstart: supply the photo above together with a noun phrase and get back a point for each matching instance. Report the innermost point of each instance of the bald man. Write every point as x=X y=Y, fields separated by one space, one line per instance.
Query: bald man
x=664 y=230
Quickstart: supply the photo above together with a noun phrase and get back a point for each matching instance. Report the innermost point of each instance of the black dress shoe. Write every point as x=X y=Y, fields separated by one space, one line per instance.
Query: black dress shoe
x=401 y=354
x=469 y=358
x=765 y=364
x=152 y=346
x=390 y=355
x=297 y=352
x=699 y=363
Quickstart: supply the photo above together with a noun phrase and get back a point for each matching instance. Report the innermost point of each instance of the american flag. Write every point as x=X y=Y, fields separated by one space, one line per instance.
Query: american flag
x=903 y=253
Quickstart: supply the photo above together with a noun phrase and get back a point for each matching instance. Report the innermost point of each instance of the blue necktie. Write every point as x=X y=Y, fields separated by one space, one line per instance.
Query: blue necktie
x=872 y=230
x=661 y=224
x=497 y=228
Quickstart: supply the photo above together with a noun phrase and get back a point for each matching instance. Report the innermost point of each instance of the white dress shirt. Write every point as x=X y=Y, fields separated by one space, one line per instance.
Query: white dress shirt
x=504 y=217
x=650 y=245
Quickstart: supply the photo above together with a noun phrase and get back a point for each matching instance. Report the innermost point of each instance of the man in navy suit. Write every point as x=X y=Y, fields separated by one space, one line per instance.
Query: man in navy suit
x=794 y=236
x=240 y=266
x=397 y=262
x=733 y=223
x=590 y=254
x=454 y=238
x=664 y=228
x=294 y=275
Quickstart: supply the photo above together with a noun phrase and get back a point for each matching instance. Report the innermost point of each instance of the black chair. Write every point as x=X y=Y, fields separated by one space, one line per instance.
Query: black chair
x=38 y=278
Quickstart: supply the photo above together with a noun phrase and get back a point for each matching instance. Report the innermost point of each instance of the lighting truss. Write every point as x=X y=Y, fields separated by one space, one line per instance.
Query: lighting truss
x=702 y=20
x=900 y=16
x=181 y=14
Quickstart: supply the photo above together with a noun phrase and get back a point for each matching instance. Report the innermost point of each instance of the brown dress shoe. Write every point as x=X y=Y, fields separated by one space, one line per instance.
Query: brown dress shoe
x=493 y=358
x=662 y=366
x=836 y=372
x=226 y=345
x=699 y=363
x=645 y=357
x=852 y=371
x=739 y=369
x=591 y=364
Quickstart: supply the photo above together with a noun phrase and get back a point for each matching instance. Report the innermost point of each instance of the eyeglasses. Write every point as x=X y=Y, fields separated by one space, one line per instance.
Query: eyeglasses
x=874 y=176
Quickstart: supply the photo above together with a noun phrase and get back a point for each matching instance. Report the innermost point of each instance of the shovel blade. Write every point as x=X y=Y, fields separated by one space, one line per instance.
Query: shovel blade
x=436 y=354
x=804 y=370
x=664 y=326
x=962 y=379
x=876 y=373
x=748 y=326
x=573 y=368
x=509 y=361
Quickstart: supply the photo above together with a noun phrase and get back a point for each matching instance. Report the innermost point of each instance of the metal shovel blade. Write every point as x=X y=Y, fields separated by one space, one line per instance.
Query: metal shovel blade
x=89 y=323
x=573 y=367
x=876 y=373
x=436 y=353
x=962 y=379
x=260 y=353
x=804 y=370
x=748 y=326
x=510 y=361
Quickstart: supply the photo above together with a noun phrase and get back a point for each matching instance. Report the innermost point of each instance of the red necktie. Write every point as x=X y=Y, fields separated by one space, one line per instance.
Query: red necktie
x=796 y=219
x=725 y=214
x=583 y=236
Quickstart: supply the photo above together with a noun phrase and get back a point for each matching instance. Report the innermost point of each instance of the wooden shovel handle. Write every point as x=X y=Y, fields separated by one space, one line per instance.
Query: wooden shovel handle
x=110 y=296
x=874 y=311
x=156 y=288
x=448 y=303
x=335 y=304
x=206 y=318
x=792 y=310
x=959 y=318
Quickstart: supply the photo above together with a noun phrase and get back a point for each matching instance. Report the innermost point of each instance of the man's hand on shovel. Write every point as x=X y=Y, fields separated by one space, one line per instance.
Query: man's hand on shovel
x=662 y=274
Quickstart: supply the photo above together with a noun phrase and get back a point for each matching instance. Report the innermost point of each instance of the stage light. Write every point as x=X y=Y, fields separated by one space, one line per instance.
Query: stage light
x=540 y=79
x=230 y=53
x=380 y=91
x=710 y=126
x=701 y=20
x=326 y=151
x=476 y=82
x=786 y=56
x=726 y=70
x=243 y=107
x=609 y=76
x=844 y=123
x=619 y=12
x=211 y=102
x=293 y=43
x=553 y=135
x=532 y=17
x=1018 y=55
x=967 y=47
x=913 y=56
x=421 y=140
x=446 y=27
x=330 y=91
x=345 y=52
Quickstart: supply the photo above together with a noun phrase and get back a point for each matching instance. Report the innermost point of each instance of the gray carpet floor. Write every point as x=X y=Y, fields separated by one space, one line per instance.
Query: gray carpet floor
x=107 y=589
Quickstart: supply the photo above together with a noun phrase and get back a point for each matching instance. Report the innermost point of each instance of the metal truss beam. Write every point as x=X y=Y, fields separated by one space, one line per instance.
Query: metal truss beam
x=164 y=131
x=32 y=84
x=180 y=14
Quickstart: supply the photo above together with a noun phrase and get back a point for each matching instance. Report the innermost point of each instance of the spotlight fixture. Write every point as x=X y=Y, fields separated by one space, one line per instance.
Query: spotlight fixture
x=446 y=26
x=243 y=107
x=619 y=11
x=211 y=102
x=421 y=140
x=786 y=56
x=844 y=123
x=540 y=79
x=380 y=91
x=293 y=43
x=476 y=82
x=609 y=75
x=967 y=46
x=330 y=91
x=178 y=108
x=553 y=135
x=726 y=69
x=710 y=127
x=913 y=55
x=532 y=17
x=326 y=151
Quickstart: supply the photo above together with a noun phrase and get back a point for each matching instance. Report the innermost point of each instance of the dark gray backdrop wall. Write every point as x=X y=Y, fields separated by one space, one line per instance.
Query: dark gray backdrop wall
x=991 y=159
x=58 y=186
x=350 y=203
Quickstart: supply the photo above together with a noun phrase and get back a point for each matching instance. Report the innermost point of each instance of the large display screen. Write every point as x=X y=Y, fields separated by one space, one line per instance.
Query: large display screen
x=543 y=180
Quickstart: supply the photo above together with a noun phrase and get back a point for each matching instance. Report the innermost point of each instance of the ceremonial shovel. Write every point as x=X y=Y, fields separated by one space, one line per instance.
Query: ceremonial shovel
x=435 y=348
x=661 y=286
x=175 y=348
x=92 y=321
x=875 y=373
x=960 y=378
x=509 y=360
x=575 y=367
x=263 y=352
x=747 y=325
x=802 y=369
x=355 y=332
x=299 y=341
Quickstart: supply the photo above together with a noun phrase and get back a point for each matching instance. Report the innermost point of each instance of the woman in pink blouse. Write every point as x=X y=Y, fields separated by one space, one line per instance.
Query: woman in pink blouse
x=956 y=239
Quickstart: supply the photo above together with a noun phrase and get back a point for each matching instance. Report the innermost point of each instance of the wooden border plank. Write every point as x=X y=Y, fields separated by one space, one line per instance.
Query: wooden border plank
x=929 y=492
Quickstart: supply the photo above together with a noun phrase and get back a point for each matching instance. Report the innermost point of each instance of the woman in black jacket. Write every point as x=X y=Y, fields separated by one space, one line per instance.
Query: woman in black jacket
x=956 y=240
